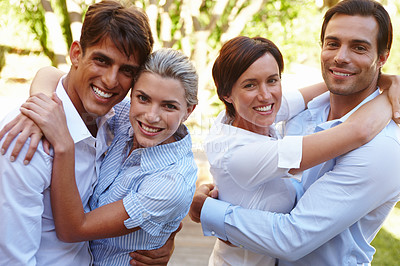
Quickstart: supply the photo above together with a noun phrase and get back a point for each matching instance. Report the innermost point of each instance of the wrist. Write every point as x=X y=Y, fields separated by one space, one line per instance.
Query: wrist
x=64 y=147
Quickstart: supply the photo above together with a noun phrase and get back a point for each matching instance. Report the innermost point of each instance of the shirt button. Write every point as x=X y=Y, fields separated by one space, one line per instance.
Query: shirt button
x=213 y=233
x=241 y=246
x=145 y=215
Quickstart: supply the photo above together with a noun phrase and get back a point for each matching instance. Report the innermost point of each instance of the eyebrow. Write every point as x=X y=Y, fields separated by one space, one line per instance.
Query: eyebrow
x=353 y=40
x=250 y=80
x=111 y=61
x=164 y=102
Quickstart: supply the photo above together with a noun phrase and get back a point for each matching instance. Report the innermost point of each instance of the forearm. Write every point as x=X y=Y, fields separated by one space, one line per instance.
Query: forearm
x=313 y=91
x=45 y=81
x=72 y=223
x=358 y=129
x=66 y=203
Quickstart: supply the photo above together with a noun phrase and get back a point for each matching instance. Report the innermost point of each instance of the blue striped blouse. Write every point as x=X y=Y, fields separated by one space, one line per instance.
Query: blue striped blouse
x=157 y=186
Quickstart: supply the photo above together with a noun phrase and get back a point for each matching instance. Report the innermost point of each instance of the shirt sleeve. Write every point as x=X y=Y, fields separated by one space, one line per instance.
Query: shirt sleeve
x=361 y=181
x=256 y=163
x=159 y=200
x=292 y=104
x=21 y=206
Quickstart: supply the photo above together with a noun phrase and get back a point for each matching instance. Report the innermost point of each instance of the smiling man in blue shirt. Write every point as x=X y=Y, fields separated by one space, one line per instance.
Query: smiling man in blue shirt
x=342 y=203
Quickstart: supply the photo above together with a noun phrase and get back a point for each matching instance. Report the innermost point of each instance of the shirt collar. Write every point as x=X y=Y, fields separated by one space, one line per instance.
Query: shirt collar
x=162 y=155
x=321 y=105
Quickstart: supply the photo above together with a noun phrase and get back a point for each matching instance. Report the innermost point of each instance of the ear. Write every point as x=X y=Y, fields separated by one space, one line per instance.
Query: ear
x=227 y=99
x=382 y=58
x=189 y=111
x=75 y=53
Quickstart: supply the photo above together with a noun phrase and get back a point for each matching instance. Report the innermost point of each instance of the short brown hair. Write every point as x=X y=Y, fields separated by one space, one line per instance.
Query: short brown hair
x=364 y=8
x=127 y=26
x=234 y=58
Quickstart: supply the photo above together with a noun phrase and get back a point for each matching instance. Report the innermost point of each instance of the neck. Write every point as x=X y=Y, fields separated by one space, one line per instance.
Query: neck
x=340 y=105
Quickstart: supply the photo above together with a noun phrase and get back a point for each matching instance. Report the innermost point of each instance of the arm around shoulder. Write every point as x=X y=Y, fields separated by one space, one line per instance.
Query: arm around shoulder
x=46 y=80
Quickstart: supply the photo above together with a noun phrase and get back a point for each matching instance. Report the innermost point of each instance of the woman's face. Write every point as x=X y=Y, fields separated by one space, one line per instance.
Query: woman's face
x=256 y=95
x=158 y=107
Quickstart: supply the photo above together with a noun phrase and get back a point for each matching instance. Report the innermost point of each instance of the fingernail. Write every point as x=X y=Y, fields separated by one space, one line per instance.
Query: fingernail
x=12 y=158
x=3 y=151
x=396 y=115
x=26 y=162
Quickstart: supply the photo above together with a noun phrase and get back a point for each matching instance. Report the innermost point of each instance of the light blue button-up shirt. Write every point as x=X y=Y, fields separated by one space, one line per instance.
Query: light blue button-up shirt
x=156 y=184
x=342 y=205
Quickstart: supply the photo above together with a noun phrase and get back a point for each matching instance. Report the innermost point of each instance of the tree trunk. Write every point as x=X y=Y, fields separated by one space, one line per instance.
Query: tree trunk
x=75 y=17
x=56 y=37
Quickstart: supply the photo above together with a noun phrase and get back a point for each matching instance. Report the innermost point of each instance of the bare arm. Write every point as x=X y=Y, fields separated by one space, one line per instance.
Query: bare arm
x=72 y=223
x=358 y=129
x=45 y=81
x=392 y=84
x=313 y=91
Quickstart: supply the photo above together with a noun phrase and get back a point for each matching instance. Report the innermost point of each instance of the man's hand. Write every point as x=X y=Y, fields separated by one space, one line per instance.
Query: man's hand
x=159 y=256
x=200 y=196
x=26 y=128
x=392 y=84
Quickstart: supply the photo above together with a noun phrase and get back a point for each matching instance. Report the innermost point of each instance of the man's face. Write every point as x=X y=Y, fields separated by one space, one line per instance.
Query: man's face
x=102 y=77
x=349 y=58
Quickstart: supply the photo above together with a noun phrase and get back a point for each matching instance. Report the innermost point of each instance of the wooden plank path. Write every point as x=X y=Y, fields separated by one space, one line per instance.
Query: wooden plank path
x=191 y=247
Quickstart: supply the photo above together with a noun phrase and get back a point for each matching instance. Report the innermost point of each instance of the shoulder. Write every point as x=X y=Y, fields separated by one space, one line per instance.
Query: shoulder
x=36 y=175
x=379 y=157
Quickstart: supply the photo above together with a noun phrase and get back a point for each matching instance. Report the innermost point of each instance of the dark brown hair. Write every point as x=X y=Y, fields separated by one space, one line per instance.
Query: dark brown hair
x=364 y=8
x=127 y=27
x=234 y=58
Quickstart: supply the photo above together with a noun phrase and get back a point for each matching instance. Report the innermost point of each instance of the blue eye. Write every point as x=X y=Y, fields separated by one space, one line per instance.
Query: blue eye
x=170 y=106
x=142 y=98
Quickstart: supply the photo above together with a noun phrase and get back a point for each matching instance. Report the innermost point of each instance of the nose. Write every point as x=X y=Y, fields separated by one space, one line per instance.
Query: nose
x=263 y=93
x=110 y=78
x=342 y=55
x=153 y=115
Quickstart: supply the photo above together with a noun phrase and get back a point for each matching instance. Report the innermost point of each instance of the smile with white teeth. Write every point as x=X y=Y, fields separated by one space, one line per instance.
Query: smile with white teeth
x=341 y=74
x=101 y=93
x=263 y=108
x=150 y=129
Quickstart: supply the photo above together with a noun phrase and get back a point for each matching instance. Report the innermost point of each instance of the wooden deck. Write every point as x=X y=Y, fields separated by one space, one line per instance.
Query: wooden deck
x=191 y=247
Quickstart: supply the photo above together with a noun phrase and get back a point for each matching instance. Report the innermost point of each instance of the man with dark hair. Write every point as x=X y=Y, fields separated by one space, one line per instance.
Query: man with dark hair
x=342 y=203
x=115 y=41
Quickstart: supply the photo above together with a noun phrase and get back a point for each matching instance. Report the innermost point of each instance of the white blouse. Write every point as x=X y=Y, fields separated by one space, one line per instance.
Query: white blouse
x=250 y=170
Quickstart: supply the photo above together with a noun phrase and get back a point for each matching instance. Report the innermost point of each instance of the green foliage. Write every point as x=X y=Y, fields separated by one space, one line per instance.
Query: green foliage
x=387 y=249
x=32 y=14
x=287 y=24
x=3 y=51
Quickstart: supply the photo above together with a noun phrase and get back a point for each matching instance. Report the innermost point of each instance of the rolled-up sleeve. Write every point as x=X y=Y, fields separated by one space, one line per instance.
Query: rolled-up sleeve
x=158 y=201
x=256 y=163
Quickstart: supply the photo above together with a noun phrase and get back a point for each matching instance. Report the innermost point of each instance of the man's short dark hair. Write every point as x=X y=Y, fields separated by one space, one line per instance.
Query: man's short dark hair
x=127 y=26
x=364 y=8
